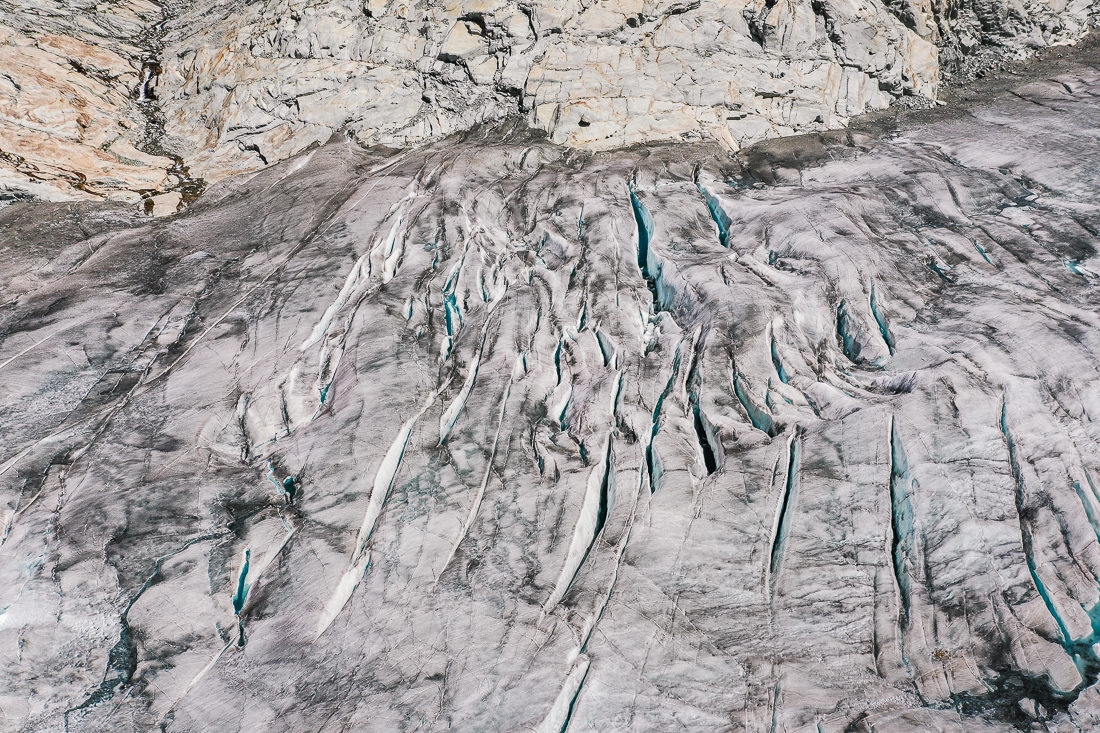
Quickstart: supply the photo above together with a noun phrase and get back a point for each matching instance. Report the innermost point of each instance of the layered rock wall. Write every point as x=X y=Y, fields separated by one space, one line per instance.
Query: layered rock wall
x=70 y=121
x=234 y=86
x=595 y=75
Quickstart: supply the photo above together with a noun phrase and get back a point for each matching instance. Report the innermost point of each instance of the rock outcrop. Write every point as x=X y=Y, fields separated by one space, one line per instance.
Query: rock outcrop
x=974 y=35
x=72 y=119
x=592 y=75
x=134 y=97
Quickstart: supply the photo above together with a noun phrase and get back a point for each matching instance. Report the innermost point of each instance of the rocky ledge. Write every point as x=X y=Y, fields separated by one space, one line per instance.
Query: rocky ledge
x=141 y=100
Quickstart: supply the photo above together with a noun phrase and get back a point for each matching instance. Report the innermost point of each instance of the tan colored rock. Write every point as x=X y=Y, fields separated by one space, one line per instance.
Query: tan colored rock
x=165 y=204
x=68 y=121
x=244 y=86
x=247 y=88
x=73 y=164
x=462 y=43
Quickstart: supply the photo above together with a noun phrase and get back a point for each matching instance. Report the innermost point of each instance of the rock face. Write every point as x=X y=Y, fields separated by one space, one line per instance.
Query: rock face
x=502 y=436
x=70 y=125
x=239 y=86
x=256 y=88
x=972 y=34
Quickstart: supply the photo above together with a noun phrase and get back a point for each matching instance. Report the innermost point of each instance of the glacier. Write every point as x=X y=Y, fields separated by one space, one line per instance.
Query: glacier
x=493 y=434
